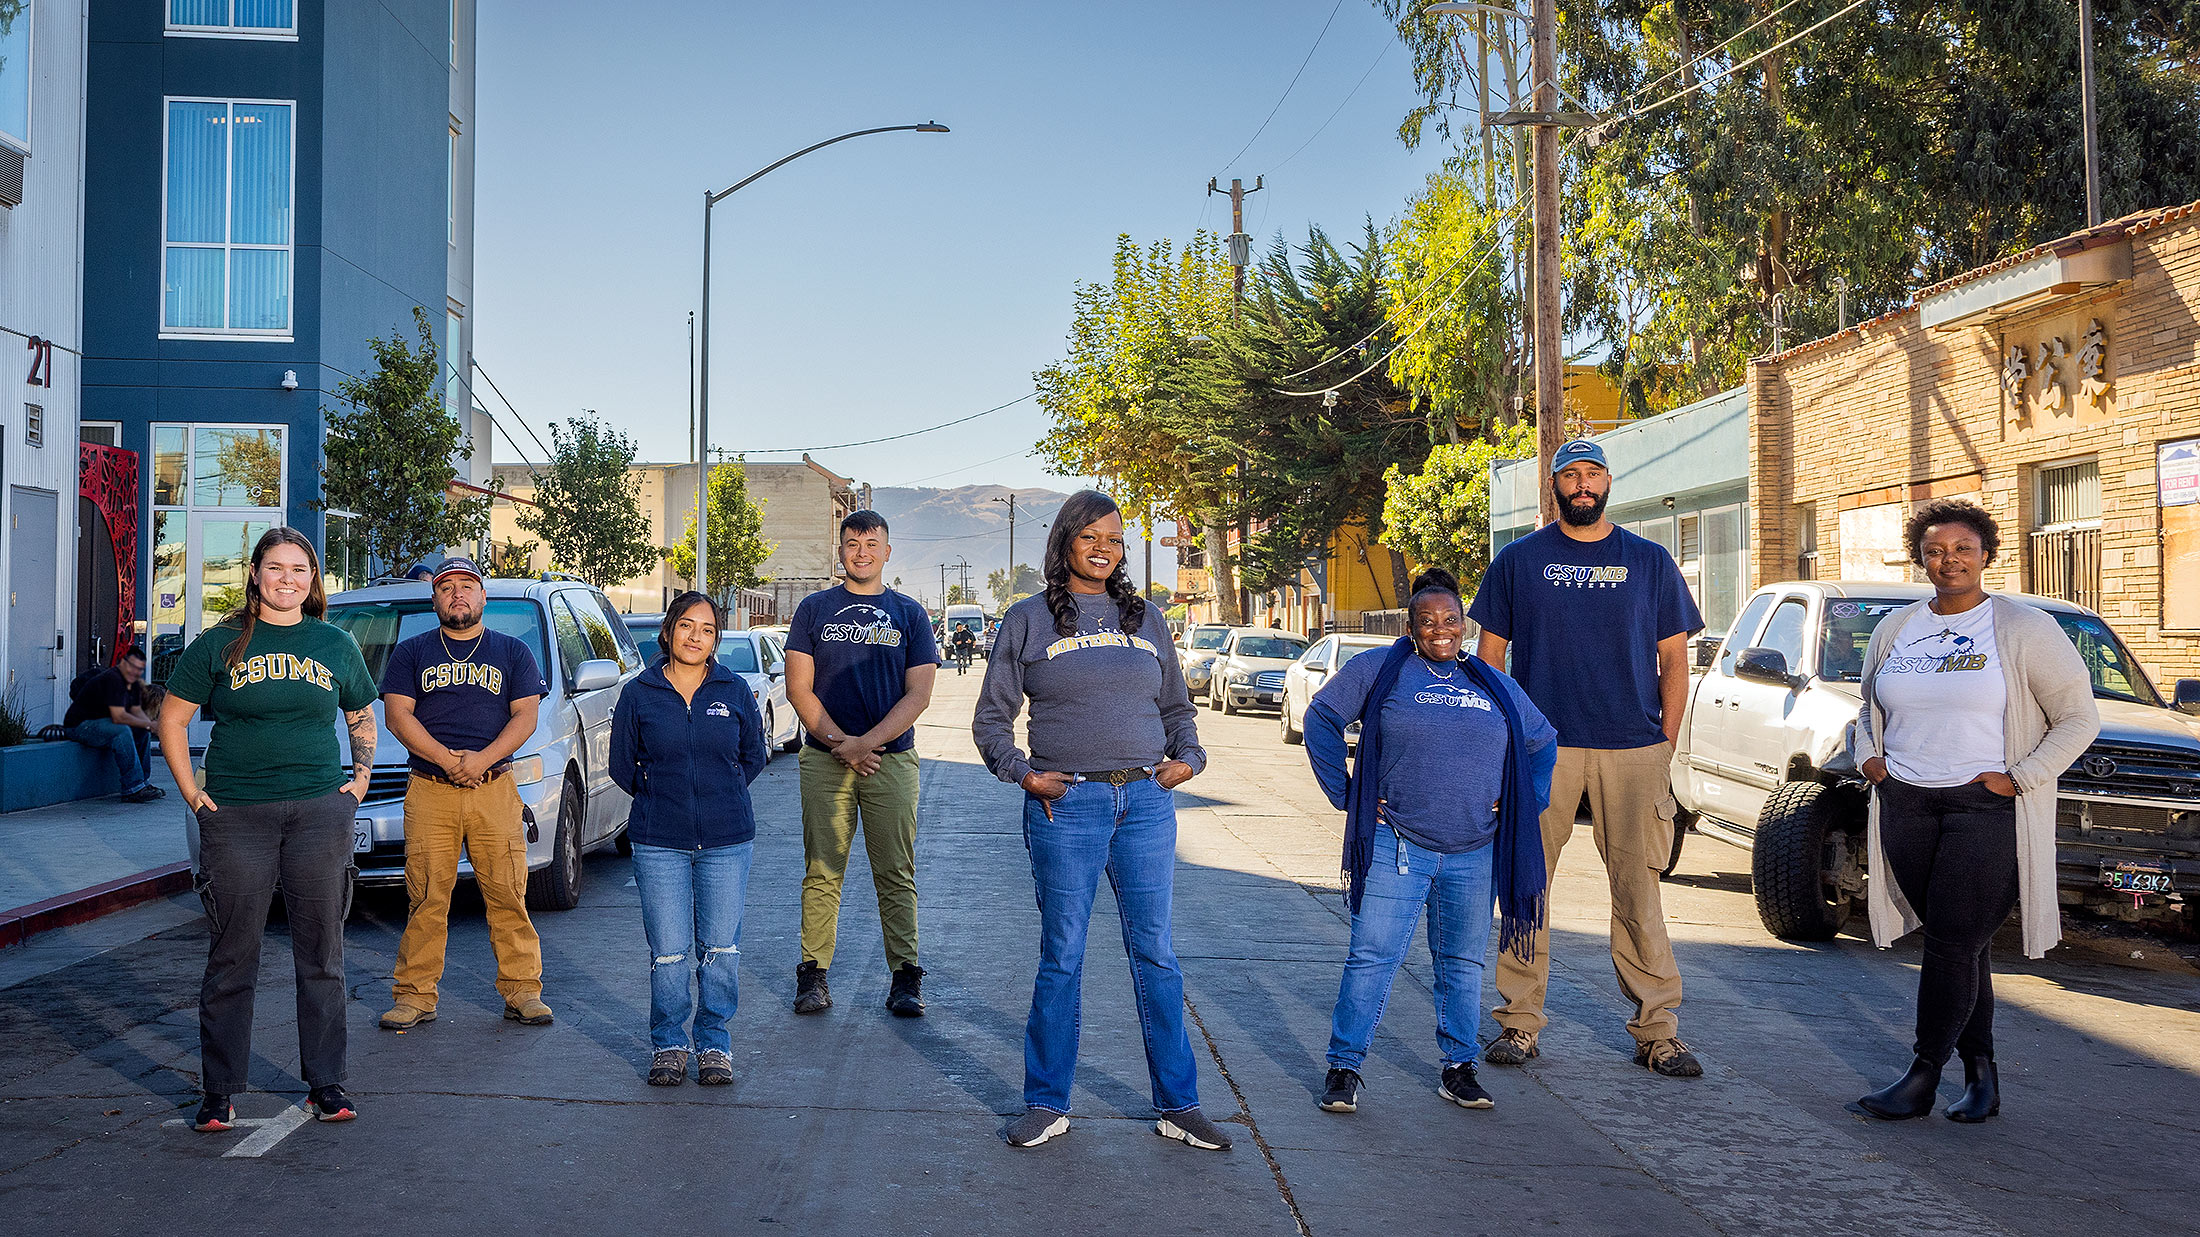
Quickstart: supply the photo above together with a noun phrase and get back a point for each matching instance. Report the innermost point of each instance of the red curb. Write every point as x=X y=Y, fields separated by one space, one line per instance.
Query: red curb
x=23 y=922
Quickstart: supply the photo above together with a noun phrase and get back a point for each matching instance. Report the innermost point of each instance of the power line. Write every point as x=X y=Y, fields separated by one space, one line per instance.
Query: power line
x=836 y=446
x=1287 y=89
x=547 y=453
x=1737 y=66
x=1702 y=56
x=959 y=468
x=1380 y=57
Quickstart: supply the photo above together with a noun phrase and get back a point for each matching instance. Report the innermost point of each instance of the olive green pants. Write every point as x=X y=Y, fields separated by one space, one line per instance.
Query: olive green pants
x=834 y=798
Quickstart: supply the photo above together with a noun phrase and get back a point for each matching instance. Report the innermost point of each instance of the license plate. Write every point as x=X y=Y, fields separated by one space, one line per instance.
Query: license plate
x=362 y=836
x=2137 y=876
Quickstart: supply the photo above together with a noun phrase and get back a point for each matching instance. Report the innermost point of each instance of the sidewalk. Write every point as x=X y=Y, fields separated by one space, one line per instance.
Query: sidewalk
x=73 y=862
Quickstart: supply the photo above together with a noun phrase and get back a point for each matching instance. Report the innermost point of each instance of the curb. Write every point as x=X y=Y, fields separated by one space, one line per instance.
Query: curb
x=23 y=922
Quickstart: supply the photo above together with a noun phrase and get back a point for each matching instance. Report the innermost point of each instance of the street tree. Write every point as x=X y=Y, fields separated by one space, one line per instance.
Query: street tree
x=737 y=545
x=388 y=459
x=512 y=559
x=1007 y=592
x=1453 y=302
x=587 y=504
x=1440 y=516
x=958 y=595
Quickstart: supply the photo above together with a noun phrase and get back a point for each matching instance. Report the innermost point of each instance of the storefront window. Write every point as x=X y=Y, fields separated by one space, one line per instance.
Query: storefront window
x=216 y=490
x=237 y=467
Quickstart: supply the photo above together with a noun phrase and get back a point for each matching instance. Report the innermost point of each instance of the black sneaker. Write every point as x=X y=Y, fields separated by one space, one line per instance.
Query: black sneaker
x=329 y=1103
x=216 y=1114
x=1341 y=1091
x=906 y=1000
x=1036 y=1126
x=811 y=993
x=145 y=794
x=1459 y=1086
x=669 y=1067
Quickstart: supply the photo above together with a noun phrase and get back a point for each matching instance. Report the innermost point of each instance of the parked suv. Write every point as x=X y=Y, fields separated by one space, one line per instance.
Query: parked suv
x=569 y=804
x=1250 y=668
x=1765 y=760
x=759 y=657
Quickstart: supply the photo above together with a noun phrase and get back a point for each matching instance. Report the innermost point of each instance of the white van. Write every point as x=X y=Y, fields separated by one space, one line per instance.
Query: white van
x=963 y=615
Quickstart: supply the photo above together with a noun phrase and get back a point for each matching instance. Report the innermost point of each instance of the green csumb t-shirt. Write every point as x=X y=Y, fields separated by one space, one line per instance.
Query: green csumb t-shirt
x=274 y=711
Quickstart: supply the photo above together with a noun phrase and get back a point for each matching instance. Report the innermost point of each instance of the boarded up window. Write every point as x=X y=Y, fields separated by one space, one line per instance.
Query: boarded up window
x=1871 y=543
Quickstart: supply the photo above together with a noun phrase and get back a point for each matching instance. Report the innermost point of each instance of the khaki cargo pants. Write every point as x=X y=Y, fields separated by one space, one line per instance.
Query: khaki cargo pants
x=1631 y=805
x=441 y=820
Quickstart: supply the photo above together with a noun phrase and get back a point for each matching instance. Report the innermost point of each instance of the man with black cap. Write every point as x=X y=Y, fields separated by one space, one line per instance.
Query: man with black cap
x=1598 y=620
x=462 y=699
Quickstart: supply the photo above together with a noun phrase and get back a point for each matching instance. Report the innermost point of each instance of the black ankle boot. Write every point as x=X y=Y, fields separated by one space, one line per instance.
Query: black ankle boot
x=1981 y=1092
x=1910 y=1097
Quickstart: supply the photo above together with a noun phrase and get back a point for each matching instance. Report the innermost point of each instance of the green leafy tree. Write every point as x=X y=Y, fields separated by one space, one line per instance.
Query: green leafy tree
x=588 y=506
x=1008 y=592
x=737 y=546
x=1453 y=303
x=512 y=559
x=1441 y=515
x=958 y=595
x=1159 y=594
x=389 y=455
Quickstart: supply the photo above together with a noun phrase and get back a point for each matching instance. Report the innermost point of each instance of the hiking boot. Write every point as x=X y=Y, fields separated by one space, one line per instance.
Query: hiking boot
x=528 y=1011
x=1460 y=1087
x=906 y=1000
x=668 y=1068
x=329 y=1103
x=1669 y=1057
x=1035 y=1127
x=1341 y=1091
x=811 y=993
x=216 y=1114
x=1514 y=1047
x=1192 y=1128
x=405 y=1017
x=145 y=794
x=714 y=1067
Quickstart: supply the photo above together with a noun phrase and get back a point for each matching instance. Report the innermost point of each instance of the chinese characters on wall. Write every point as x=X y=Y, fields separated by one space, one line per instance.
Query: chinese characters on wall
x=2047 y=378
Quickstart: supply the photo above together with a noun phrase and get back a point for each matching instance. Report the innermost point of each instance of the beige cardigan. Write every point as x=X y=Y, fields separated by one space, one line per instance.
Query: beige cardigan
x=2050 y=720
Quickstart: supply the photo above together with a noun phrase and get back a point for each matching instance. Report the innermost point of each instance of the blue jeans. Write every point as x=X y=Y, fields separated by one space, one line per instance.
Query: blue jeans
x=691 y=908
x=1128 y=832
x=129 y=747
x=1459 y=896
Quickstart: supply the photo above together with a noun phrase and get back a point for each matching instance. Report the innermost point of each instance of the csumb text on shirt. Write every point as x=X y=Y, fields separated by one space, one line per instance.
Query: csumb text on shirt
x=276 y=667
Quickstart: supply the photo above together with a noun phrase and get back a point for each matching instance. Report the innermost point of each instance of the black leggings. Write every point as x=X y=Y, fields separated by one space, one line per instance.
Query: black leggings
x=1953 y=851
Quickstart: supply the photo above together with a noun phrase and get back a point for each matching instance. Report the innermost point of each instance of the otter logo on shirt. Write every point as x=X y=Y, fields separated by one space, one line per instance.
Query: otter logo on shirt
x=277 y=668
x=718 y=709
x=1452 y=697
x=1100 y=640
x=463 y=674
x=1560 y=575
x=1956 y=662
x=866 y=624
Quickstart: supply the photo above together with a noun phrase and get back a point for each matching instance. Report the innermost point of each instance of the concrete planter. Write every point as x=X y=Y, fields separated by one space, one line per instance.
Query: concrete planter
x=38 y=774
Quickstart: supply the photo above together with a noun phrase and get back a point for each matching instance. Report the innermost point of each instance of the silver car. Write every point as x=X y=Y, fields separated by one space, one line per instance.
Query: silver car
x=1250 y=668
x=759 y=656
x=1308 y=675
x=569 y=804
x=1197 y=651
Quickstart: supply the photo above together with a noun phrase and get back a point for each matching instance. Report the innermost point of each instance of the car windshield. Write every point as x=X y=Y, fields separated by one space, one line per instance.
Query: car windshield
x=1269 y=646
x=737 y=655
x=2115 y=675
x=1849 y=623
x=1210 y=637
x=379 y=625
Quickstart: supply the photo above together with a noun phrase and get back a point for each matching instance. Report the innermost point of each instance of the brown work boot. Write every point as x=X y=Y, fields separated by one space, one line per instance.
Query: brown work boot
x=529 y=1011
x=1514 y=1047
x=1669 y=1057
x=405 y=1017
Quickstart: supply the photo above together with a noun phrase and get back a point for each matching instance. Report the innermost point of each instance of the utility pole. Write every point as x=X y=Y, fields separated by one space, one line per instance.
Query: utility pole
x=1550 y=374
x=1241 y=254
x=2085 y=84
x=943 y=591
x=1010 y=583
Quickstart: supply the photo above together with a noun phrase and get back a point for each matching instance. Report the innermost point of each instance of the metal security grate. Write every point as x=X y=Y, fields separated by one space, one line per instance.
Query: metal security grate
x=2066 y=563
x=2070 y=494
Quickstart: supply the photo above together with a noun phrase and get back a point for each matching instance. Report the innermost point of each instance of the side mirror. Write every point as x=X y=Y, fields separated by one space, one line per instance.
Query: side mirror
x=1706 y=649
x=1764 y=666
x=2188 y=695
x=593 y=675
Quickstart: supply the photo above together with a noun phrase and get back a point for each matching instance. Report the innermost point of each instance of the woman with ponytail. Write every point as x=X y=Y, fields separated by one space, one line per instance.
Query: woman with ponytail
x=276 y=808
x=1441 y=807
x=1112 y=734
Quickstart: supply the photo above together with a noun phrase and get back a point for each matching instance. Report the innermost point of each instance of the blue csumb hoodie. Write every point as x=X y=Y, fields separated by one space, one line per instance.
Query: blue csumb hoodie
x=688 y=764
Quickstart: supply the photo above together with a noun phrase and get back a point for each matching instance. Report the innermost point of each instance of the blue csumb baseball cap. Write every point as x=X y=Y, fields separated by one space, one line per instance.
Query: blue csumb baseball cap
x=1576 y=451
x=456 y=567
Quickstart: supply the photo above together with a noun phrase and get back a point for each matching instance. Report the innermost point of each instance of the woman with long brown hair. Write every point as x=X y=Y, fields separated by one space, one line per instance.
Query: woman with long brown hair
x=276 y=806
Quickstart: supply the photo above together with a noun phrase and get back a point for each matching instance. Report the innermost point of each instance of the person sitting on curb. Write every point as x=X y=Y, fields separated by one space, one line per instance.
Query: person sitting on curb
x=462 y=698
x=107 y=713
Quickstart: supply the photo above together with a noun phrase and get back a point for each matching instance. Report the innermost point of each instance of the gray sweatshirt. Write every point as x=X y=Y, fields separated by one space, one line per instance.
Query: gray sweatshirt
x=1100 y=700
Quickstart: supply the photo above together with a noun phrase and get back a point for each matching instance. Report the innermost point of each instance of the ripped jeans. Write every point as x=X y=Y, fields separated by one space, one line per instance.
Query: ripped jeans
x=691 y=913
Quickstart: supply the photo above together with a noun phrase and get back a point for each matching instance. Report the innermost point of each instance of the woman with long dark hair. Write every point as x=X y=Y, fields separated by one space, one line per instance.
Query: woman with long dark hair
x=276 y=807
x=1441 y=811
x=1973 y=707
x=1112 y=734
x=686 y=741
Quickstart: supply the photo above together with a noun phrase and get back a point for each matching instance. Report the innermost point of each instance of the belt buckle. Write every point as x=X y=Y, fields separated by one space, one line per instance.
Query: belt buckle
x=1119 y=777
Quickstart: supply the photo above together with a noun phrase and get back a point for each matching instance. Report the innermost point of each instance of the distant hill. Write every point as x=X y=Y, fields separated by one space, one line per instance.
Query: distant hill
x=933 y=526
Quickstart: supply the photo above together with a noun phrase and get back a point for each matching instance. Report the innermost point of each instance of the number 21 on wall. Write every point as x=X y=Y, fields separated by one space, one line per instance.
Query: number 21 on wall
x=41 y=362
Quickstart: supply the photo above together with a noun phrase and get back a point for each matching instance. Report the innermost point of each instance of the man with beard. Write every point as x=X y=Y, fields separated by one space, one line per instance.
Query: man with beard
x=462 y=699
x=1598 y=620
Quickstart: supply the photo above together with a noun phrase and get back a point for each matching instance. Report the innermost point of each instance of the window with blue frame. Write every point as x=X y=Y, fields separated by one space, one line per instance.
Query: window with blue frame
x=15 y=73
x=251 y=17
x=227 y=226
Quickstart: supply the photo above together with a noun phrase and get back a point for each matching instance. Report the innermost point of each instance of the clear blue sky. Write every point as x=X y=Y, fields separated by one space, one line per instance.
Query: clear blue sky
x=899 y=280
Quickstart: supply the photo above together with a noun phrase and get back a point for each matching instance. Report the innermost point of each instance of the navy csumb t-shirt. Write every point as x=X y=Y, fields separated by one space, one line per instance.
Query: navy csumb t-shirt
x=1584 y=619
x=462 y=690
x=863 y=645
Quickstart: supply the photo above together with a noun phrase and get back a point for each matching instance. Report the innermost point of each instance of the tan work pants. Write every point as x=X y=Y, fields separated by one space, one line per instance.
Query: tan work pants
x=484 y=822
x=1631 y=805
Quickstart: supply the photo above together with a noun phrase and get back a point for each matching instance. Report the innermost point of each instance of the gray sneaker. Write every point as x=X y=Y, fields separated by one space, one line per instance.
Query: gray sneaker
x=1192 y=1127
x=1035 y=1127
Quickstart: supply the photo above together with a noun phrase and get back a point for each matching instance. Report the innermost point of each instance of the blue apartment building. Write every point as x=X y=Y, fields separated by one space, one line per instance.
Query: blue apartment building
x=268 y=185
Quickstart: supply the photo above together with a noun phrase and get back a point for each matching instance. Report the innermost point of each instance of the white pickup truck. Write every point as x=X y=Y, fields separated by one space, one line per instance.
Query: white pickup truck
x=1764 y=762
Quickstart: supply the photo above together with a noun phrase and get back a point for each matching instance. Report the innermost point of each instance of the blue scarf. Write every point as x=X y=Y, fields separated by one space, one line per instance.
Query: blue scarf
x=1517 y=871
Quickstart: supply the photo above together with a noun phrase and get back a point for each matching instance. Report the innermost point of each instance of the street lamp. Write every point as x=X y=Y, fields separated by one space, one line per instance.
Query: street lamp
x=702 y=413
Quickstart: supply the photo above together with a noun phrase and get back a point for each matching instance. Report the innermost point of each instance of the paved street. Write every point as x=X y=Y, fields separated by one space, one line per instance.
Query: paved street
x=856 y=1122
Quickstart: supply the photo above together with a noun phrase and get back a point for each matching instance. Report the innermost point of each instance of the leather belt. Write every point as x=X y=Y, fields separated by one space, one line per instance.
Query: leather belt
x=1116 y=777
x=493 y=774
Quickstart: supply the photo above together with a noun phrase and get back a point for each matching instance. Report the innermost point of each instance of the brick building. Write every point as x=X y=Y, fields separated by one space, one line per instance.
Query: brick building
x=2059 y=388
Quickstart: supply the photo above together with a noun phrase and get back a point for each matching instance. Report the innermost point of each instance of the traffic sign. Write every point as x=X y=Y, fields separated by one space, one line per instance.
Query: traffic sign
x=1172 y=542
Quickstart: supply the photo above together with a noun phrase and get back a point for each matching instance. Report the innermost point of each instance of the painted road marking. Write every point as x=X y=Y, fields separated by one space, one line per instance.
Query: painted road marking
x=266 y=1132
